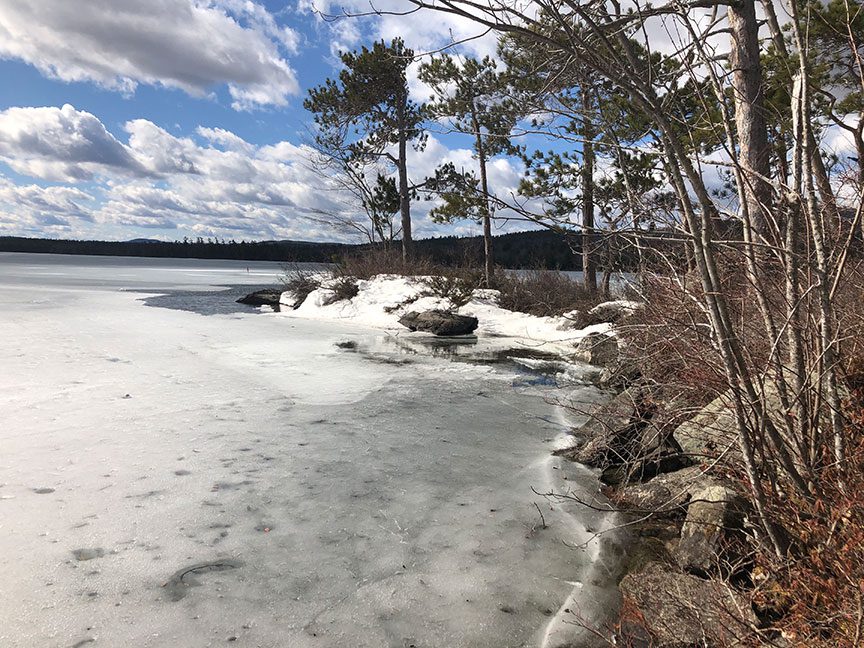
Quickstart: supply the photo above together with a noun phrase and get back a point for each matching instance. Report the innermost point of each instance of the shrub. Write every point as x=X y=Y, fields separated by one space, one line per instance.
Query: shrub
x=300 y=284
x=456 y=287
x=543 y=293
x=344 y=289
x=368 y=263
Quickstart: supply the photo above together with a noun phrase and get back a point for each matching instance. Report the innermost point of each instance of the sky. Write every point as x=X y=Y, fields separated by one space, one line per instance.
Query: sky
x=124 y=119
x=167 y=119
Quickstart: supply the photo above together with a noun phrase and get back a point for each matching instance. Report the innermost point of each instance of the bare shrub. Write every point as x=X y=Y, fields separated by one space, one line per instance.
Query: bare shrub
x=543 y=293
x=817 y=597
x=343 y=289
x=301 y=284
x=376 y=261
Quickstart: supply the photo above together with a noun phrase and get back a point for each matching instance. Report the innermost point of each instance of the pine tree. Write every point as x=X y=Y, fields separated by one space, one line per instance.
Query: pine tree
x=366 y=113
x=469 y=94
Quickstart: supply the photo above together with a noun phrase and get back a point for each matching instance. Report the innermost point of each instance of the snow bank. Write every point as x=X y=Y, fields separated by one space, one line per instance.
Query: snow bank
x=383 y=299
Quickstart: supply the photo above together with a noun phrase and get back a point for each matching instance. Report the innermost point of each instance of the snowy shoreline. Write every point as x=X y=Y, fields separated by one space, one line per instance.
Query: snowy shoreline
x=383 y=299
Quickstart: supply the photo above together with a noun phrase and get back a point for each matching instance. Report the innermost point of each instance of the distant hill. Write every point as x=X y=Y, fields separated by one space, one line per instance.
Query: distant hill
x=540 y=248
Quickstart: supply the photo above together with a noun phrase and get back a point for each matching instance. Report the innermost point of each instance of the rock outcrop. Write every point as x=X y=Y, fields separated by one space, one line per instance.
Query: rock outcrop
x=664 y=608
x=600 y=349
x=439 y=322
x=267 y=297
x=710 y=433
x=715 y=515
x=667 y=492
x=621 y=439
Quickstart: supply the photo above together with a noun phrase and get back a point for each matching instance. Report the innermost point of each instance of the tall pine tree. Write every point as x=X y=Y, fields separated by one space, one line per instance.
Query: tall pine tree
x=367 y=113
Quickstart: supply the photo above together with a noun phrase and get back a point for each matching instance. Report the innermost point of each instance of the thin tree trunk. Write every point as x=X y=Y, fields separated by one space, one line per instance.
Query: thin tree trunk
x=404 y=190
x=489 y=257
x=589 y=267
x=823 y=183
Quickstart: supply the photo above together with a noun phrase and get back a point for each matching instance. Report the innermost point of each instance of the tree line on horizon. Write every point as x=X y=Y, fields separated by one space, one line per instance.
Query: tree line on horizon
x=538 y=249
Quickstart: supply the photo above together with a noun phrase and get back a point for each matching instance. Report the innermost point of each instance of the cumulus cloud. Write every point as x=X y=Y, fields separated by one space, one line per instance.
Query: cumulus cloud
x=212 y=183
x=33 y=209
x=193 y=45
x=62 y=144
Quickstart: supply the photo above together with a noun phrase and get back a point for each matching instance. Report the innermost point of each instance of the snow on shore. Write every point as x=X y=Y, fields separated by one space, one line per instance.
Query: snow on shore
x=383 y=299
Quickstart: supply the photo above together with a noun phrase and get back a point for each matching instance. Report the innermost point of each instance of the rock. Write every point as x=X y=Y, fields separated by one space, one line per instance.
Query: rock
x=267 y=297
x=598 y=436
x=714 y=515
x=667 y=492
x=678 y=610
x=599 y=349
x=712 y=432
x=613 y=312
x=619 y=375
x=439 y=322
x=620 y=439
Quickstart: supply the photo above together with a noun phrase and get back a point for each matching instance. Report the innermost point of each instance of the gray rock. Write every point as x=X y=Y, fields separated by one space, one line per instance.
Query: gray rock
x=714 y=515
x=267 y=297
x=598 y=435
x=712 y=432
x=677 y=610
x=619 y=375
x=666 y=492
x=620 y=439
x=599 y=349
x=439 y=322
x=614 y=312
x=641 y=468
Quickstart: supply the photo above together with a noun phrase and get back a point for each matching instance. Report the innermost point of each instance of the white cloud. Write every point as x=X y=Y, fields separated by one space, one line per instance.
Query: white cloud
x=33 y=209
x=62 y=144
x=215 y=183
x=193 y=45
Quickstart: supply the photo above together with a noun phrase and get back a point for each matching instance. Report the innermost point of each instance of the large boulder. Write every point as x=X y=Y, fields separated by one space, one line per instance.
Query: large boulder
x=614 y=312
x=641 y=468
x=711 y=433
x=621 y=439
x=439 y=322
x=619 y=375
x=714 y=517
x=600 y=349
x=594 y=439
x=267 y=297
x=667 y=492
x=664 y=608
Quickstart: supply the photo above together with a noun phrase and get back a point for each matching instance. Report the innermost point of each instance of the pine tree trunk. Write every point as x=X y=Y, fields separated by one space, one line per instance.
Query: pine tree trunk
x=489 y=257
x=404 y=190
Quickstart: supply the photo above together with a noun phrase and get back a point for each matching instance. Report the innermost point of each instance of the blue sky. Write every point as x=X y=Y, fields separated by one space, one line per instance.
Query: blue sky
x=172 y=118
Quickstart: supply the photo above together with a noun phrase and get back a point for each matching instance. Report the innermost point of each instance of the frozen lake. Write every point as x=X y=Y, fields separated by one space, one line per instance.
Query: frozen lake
x=175 y=479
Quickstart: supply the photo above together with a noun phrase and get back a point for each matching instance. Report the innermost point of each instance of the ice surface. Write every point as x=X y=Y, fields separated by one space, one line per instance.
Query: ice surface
x=174 y=479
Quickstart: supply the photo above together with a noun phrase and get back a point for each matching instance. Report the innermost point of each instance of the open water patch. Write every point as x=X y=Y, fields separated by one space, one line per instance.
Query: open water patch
x=220 y=301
